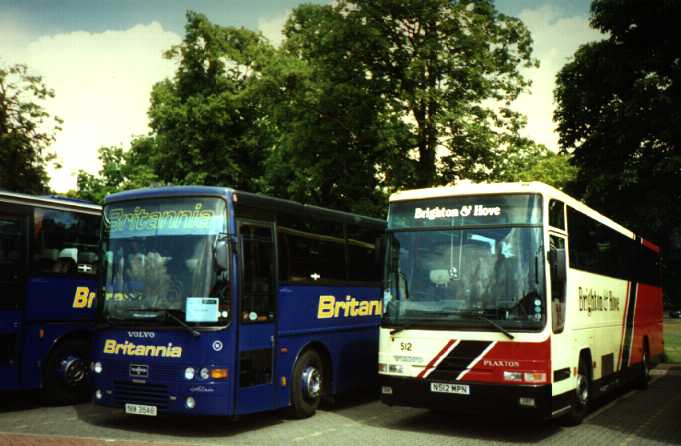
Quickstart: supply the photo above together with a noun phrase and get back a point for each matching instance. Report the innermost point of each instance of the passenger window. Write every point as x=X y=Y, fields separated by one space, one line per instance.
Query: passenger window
x=65 y=242
x=556 y=214
x=12 y=260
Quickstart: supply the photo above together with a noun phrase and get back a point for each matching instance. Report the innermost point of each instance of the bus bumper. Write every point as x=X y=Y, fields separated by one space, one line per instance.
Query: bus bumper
x=208 y=398
x=523 y=400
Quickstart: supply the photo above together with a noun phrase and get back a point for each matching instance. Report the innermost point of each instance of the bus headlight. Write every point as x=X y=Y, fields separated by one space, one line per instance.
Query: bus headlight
x=189 y=373
x=205 y=373
x=513 y=376
x=396 y=368
x=190 y=403
x=97 y=367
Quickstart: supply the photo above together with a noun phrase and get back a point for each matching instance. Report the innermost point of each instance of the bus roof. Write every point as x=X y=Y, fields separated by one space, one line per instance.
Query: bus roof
x=242 y=198
x=49 y=201
x=533 y=187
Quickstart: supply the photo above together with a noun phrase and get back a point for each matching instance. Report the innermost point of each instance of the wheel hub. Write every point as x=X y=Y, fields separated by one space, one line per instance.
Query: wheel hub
x=73 y=370
x=582 y=389
x=312 y=383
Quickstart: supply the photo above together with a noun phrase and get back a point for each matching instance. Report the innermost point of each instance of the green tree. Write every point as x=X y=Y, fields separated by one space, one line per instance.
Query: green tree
x=619 y=113
x=205 y=121
x=121 y=170
x=26 y=131
x=529 y=161
x=436 y=79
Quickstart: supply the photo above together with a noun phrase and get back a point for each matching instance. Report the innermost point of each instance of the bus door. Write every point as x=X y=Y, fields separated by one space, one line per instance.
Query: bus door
x=558 y=295
x=13 y=255
x=256 y=315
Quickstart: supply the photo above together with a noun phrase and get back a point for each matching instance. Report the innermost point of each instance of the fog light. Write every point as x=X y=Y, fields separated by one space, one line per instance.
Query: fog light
x=98 y=394
x=189 y=373
x=205 y=373
x=527 y=402
x=535 y=377
x=190 y=403
x=386 y=390
x=97 y=367
x=513 y=376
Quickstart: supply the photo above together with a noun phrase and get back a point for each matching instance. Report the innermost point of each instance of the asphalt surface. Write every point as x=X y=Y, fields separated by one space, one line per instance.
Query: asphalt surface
x=629 y=417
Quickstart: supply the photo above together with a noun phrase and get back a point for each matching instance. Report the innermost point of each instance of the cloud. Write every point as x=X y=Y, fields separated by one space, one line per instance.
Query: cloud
x=272 y=27
x=102 y=83
x=555 y=41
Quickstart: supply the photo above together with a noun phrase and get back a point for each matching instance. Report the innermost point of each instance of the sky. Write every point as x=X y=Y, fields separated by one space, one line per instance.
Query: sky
x=103 y=57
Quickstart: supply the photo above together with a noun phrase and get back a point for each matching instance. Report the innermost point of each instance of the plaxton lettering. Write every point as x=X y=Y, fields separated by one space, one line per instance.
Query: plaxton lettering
x=127 y=348
x=329 y=307
x=500 y=363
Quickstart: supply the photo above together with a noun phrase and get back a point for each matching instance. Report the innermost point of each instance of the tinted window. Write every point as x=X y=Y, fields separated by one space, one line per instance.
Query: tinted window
x=556 y=214
x=65 y=242
x=311 y=250
x=364 y=259
x=598 y=249
x=647 y=267
x=12 y=259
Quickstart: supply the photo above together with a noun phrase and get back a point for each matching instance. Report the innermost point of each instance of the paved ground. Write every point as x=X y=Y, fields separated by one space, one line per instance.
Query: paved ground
x=650 y=417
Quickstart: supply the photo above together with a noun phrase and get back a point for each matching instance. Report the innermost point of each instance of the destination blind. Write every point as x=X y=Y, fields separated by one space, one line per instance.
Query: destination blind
x=478 y=210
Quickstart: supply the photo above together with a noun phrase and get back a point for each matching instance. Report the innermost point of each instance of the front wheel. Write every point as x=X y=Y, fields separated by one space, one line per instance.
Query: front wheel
x=306 y=391
x=66 y=373
x=580 y=406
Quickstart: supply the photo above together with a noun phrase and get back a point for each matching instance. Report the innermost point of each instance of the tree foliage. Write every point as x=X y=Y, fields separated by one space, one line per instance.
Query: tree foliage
x=434 y=79
x=619 y=112
x=121 y=170
x=205 y=122
x=26 y=131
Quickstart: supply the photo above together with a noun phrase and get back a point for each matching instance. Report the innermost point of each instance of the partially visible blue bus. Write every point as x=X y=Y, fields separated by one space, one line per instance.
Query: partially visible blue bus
x=48 y=267
x=222 y=302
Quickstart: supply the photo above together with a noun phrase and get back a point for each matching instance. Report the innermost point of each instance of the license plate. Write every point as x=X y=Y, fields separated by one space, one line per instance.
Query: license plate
x=459 y=389
x=140 y=409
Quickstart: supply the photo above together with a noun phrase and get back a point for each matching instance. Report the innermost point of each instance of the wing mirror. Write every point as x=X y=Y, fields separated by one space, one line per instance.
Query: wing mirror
x=221 y=249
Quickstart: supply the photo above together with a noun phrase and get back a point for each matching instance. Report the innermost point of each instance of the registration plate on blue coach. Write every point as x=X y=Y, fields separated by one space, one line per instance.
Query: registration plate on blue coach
x=140 y=409
x=459 y=389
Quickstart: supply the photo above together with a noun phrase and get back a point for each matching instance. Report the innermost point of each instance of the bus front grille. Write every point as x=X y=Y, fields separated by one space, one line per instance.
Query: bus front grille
x=147 y=394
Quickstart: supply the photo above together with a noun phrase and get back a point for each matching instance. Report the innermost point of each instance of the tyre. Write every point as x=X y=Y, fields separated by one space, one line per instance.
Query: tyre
x=644 y=376
x=306 y=385
x=580 y=406
x=66 y=374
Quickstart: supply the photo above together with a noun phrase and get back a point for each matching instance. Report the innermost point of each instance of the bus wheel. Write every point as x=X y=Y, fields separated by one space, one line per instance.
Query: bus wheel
x=644 y=377
x=66 y=373
x=582 y=395
x=306 y=385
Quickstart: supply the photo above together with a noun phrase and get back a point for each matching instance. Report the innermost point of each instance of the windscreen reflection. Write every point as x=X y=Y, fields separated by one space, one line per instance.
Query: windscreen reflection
x=460 y=277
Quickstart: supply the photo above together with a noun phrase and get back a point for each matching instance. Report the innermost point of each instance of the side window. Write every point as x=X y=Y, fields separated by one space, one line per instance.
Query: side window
x=311 y=250
x=558 y=282
x=596 y=248
x=364 y=259
x=257 y=269
x=65 y=242
x=12 y=259
x=557 y=214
